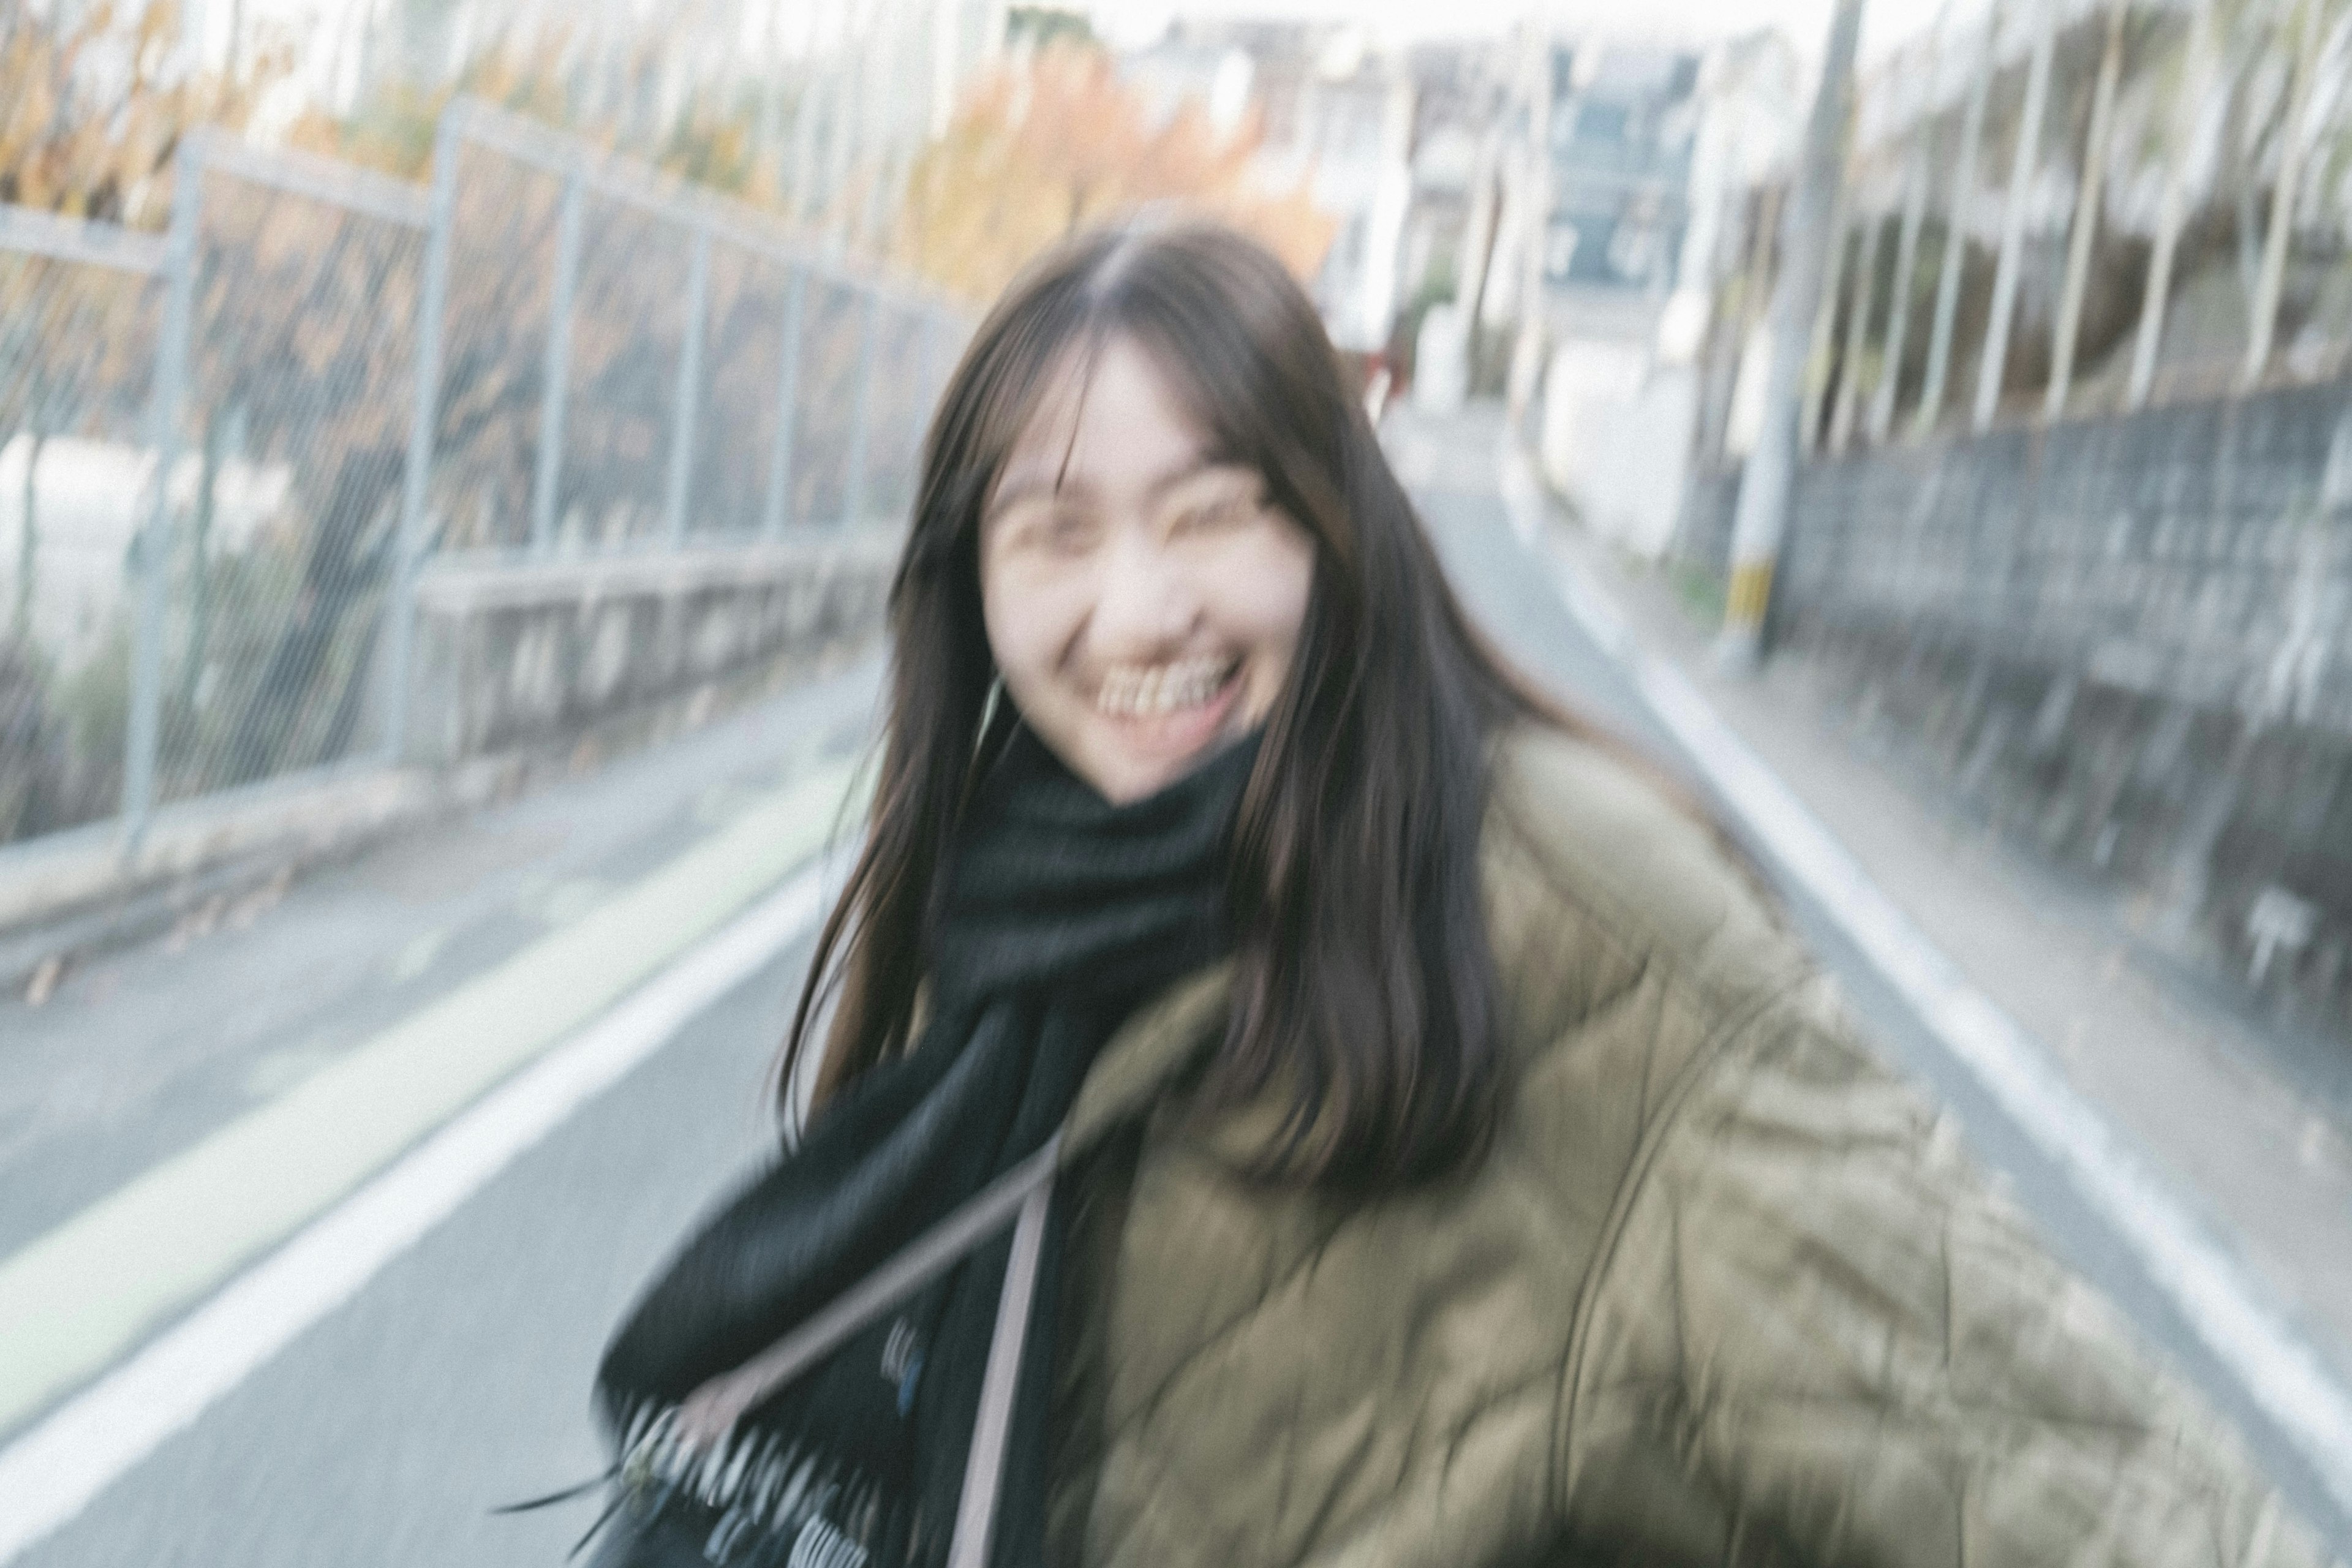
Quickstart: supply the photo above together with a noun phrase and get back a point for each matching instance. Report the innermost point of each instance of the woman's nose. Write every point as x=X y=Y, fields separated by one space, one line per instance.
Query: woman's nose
x=1144 y=602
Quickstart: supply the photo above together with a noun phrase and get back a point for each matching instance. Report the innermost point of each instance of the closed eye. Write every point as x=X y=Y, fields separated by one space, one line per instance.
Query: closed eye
x=1051 y=528
x=1215 y=513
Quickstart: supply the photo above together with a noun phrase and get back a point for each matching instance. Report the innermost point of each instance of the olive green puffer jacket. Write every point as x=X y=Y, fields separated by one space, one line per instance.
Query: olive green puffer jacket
x=1724 y=1292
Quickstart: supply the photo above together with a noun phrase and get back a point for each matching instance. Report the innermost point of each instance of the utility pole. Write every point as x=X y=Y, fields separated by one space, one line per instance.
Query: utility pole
x=1770 y=477
x=1844 y=237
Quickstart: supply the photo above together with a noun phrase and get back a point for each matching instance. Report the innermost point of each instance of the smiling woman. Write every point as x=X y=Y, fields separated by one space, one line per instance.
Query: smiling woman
x=1153 y=518
x=1459 y=1162
x=1142 y=596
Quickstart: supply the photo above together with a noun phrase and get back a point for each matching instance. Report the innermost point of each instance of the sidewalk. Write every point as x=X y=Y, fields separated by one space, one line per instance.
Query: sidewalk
x=2253 y=1136
x=2193 y=1169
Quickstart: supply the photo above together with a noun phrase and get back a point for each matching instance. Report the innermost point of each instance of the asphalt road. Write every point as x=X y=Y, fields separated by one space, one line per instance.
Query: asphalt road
x=457 y=1379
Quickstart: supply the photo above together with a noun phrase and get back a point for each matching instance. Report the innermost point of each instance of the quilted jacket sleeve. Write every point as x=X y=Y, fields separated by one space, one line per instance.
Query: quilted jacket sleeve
x=1845 y=1347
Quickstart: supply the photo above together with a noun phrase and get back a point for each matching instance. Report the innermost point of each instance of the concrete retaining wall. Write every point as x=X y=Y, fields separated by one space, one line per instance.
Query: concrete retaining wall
x=521 y=668
x=519 y=654
x=2128 y=640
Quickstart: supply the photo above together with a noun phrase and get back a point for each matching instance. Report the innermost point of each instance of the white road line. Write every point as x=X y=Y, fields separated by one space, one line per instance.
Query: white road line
x=53 y=1470
x=2283 y=1377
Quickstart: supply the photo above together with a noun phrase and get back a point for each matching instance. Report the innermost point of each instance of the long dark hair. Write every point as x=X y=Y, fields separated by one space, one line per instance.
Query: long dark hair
x=1364 y=988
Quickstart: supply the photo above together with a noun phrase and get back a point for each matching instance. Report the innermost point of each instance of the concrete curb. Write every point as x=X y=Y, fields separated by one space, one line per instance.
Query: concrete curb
x=74 y=895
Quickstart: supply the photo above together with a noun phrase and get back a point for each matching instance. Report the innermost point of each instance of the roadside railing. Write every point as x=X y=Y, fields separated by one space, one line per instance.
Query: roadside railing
x=228 y=452
x=78 y=341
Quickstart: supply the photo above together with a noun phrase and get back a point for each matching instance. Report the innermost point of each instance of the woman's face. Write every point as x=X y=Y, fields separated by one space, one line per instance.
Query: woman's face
x=1143 y=600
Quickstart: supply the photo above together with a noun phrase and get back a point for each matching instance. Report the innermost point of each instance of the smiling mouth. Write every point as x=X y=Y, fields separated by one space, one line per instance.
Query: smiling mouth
x=1155 y=691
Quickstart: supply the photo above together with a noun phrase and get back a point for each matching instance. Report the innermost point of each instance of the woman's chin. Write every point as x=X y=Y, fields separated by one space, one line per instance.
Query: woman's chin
x=1136 y=756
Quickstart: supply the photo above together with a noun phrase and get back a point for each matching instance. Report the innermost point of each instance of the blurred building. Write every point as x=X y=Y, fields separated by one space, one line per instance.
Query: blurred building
x=1649 y=158
x=1623 y=123
x=1336 y=114
x=1219 y=73
x=1460 y=90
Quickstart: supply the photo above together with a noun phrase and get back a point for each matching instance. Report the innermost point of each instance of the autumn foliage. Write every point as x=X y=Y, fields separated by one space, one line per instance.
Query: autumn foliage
x=1045 y=147
x=711 y=140
x=90 y=112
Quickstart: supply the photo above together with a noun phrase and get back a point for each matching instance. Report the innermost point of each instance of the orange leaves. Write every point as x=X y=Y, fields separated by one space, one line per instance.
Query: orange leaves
x=1045 y=147
x=89 y=112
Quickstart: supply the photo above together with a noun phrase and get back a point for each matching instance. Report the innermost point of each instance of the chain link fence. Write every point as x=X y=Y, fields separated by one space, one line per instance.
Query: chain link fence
x=319 y=378
x=302 y=348
x=829 y=409
x=78 y=335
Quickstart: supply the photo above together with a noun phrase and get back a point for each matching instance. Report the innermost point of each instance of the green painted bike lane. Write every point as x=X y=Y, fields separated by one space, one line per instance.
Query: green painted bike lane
x=75 y=1300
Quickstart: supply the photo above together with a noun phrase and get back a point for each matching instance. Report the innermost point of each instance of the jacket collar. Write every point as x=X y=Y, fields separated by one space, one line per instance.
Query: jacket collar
x=1150 y=1053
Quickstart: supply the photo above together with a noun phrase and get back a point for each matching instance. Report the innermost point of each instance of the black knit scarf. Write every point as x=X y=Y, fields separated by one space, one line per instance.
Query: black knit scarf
x=1061 y=914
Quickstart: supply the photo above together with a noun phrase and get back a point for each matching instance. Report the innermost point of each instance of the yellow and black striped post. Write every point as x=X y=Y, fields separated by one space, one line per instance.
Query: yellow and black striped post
x=1761 y=520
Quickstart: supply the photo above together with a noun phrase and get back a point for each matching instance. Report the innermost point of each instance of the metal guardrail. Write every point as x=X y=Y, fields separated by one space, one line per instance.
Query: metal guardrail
x=27 y=231
x=227 y=451
x=2170 y=218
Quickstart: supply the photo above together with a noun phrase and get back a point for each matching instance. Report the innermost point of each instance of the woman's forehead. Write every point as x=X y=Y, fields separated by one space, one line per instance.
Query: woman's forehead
x=1105 y=418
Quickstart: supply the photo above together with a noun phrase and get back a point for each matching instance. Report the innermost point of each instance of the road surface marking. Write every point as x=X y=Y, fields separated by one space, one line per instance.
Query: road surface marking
x=2286 y=1380
x=53 y=1471
x=74 y=1301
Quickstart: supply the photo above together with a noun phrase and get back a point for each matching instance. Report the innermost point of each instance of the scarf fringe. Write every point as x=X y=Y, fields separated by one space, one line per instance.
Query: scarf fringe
x=771 y=1493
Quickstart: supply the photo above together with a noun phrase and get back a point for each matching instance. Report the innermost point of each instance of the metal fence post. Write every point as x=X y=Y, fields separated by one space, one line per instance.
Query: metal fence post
x=166 y=397
x=2158 y=295
x=788 y=384
x=686 y=405
x=2286 y=187
x=1906 y=245
x=425 y=407
x=853 y=497
x=2023 y=163
x=1859 y=300
x=1823 y=342
x=2086 y=215
x=558 y=375
x=1956 y=233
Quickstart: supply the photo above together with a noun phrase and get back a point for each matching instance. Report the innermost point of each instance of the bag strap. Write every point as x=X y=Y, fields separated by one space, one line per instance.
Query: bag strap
x=984 y=1471
x=1021 y=1194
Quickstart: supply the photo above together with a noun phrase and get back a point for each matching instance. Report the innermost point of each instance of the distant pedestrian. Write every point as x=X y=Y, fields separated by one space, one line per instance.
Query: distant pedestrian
x=1459 y=1162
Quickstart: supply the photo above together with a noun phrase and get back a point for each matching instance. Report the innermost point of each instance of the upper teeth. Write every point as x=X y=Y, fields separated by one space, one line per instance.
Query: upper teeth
x=1132 y=690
